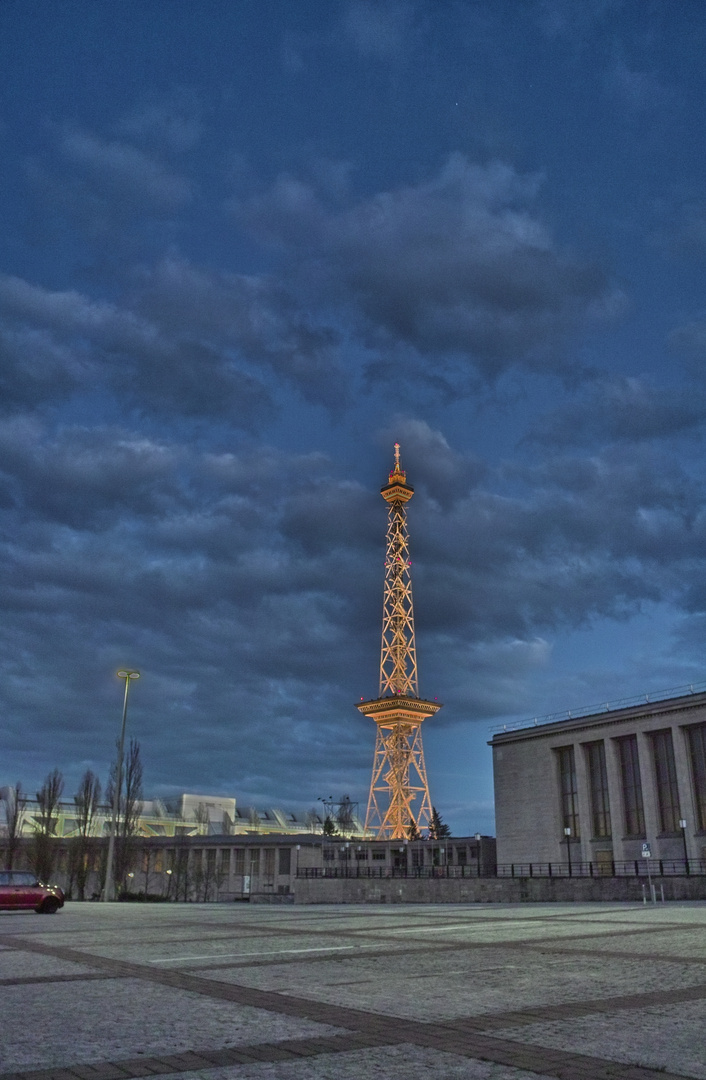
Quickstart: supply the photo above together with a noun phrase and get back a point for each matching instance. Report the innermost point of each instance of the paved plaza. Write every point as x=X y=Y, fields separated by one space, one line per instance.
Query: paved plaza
x=225 y=991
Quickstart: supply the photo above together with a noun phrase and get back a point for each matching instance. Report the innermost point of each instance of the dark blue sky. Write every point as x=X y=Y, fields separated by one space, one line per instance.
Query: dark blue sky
x=247 y=246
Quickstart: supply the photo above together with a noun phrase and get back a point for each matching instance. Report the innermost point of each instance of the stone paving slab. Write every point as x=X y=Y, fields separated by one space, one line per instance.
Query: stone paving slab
x=109 y=1019
x=19 y=964
x=462 y=991
x=450 y=986
x=661 y=1035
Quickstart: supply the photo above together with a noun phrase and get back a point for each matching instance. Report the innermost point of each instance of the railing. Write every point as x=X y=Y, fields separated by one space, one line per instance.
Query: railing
x=624 y=868
x=390 y=872
x=619 y=868
x=602 y=706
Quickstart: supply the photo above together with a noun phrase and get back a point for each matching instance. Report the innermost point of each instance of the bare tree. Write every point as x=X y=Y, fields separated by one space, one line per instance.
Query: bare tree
x=42 y=850
x=129 y=810
x=345 y=815
x=86 y=801
x=201 y=818
x=15 y=803
x=182 y=871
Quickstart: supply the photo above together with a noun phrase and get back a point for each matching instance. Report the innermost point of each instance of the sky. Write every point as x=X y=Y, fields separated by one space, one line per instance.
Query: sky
x=249 y=245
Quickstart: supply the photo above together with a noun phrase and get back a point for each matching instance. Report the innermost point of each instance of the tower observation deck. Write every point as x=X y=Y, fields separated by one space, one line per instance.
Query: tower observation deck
x=399 y=799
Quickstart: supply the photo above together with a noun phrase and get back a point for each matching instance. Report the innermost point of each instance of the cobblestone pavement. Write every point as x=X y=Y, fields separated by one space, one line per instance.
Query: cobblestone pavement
x=236 y=992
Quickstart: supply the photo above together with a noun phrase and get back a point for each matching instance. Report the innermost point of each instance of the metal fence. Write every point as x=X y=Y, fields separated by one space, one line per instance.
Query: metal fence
x=630 y=868
x=626 y=868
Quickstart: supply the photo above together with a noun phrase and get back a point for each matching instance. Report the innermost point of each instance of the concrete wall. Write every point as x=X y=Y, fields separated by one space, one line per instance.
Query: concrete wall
x=491 y=890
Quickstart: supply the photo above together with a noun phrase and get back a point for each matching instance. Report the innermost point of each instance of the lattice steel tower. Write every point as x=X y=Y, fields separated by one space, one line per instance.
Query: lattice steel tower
x=399 y=792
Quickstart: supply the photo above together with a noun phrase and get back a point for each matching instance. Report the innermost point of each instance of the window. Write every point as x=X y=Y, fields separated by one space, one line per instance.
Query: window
x=361 y=854
x=239 y=861
x=255 y=861
x=461 y=855
x=666 y=780
x=285 y=860
x=598 y=780
x=269 y=862
x=696 y=738
x=224 y=862
x=158 y=862
x=378 y=854
x=210 y=861
x=568 y=790
x=417 y=857
x=632 y=786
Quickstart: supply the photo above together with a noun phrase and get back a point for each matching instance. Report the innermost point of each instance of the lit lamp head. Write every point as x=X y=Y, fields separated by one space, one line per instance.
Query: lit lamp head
x=128 y=674
x=567 y=832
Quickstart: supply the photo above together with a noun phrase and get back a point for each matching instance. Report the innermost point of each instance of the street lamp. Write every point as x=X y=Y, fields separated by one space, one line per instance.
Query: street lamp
x=477 y=839
x=567 y=834
x=682 y=826
x=109 y=889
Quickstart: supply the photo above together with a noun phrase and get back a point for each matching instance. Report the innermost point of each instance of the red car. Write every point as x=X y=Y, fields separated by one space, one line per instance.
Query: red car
x=20 y=891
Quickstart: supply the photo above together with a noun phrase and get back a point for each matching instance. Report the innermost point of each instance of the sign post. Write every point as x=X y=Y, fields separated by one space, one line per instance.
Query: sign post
x=647 y=854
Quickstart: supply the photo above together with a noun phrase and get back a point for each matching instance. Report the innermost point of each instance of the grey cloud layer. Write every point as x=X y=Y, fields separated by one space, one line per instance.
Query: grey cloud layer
x=454 y=270
x=247 y=586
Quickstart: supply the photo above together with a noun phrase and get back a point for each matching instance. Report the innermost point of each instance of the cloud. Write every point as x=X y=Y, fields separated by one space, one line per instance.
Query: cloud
x=636 y=91
x=376 y=30
x=172 y=121
x=455 y=273
x=252 y=315
x=246 y=586
x=690 y=339
x=124 y=170
x=620 y=410
x=186 y=340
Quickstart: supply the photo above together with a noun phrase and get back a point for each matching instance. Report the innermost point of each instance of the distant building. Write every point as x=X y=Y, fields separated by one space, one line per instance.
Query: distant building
x=187 y=815
x=260 y=868
x=595 y=788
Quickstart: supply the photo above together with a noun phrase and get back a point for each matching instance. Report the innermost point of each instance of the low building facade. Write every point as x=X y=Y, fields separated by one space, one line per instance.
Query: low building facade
x=596 y=789
x=263 y=868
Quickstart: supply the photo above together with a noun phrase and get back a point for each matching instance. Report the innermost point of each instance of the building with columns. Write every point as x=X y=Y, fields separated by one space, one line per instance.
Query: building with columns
x=596 y=788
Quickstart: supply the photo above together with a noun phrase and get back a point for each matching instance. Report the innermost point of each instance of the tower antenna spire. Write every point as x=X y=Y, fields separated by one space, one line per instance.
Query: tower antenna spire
x=399 y=800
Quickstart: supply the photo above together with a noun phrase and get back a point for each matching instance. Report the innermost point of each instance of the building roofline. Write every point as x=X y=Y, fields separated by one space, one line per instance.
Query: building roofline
x=543 y=728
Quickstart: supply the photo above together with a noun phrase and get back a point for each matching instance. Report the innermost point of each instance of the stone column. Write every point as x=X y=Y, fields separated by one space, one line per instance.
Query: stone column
x=649 y=791
x=615 y=797
x=686 y=797
x=585 y=816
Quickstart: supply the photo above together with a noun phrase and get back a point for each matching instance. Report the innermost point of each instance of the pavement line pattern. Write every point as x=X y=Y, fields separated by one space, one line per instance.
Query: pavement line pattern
x=28 y=980
x=467 y=1037
x=275 y=952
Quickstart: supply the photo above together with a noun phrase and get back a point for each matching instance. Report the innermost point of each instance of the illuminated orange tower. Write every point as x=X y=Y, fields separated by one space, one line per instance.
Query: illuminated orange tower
x=399 y=792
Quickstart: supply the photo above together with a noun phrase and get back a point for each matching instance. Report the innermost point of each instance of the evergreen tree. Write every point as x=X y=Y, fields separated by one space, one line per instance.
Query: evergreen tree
x=438 y=830
x=413 y=832
x=329 y=828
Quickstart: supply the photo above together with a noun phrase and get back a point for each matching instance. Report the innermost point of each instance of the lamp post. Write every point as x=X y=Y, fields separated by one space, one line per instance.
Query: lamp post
x=477 y=838
x=682 y=826
x=567 y=834
x=109 y=888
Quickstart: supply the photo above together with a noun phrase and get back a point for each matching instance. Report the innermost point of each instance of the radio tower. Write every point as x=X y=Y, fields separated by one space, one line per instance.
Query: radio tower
x=399 y=792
